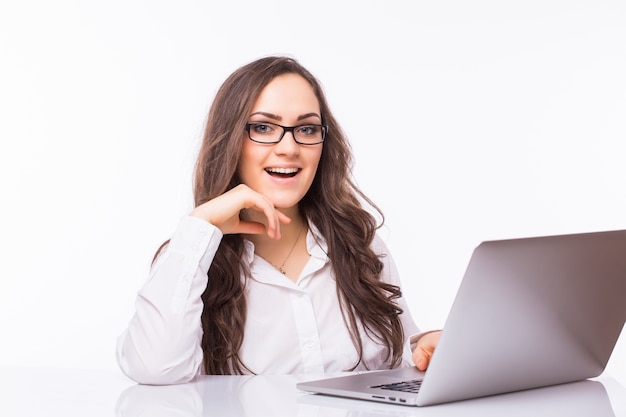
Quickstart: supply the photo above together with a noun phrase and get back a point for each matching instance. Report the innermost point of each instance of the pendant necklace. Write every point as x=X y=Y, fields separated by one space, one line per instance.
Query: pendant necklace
x=280 y=268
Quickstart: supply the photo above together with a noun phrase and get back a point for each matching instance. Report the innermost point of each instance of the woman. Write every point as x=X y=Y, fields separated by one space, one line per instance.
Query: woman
x=278 y=269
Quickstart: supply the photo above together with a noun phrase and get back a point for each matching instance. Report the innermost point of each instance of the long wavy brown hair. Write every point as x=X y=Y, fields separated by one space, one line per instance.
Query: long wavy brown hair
x=334 y=204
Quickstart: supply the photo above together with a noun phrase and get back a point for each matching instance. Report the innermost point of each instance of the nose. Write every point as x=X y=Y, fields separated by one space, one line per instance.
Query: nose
x=287 y=145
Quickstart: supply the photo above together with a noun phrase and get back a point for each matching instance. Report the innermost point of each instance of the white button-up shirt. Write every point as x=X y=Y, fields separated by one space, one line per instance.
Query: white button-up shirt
x=291 y=327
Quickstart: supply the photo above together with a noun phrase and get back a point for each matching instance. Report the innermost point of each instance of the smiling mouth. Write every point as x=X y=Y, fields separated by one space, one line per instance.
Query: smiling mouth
x=282 y=172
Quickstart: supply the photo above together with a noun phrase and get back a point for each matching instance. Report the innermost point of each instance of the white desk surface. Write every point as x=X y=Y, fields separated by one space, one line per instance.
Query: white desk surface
x=37 y=392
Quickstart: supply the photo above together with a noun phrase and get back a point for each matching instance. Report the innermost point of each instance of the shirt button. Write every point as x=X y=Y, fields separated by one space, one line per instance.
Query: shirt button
x=309 y=345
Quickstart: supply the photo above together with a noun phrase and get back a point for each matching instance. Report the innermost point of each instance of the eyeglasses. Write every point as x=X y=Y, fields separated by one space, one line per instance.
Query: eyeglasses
x=265 y=132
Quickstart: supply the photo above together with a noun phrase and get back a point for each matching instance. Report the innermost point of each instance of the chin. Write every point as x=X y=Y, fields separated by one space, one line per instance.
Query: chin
x=285 y=203
x=285 y=206
x=284 y=199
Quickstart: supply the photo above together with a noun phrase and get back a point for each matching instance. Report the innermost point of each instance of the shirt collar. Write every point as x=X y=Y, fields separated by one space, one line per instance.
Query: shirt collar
x=316 y=244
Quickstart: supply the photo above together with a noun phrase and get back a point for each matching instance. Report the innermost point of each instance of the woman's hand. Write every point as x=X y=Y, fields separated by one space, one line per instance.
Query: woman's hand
x=424 y=350
x=223 y=212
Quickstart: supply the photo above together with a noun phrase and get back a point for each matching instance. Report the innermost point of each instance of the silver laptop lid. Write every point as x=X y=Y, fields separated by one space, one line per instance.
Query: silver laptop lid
x=531 y=312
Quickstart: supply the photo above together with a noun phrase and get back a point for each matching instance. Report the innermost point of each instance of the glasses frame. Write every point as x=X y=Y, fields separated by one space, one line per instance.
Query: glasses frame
x=285 y=130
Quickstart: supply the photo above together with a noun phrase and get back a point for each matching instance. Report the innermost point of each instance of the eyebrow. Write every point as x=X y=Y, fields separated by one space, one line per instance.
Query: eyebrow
x=279 y=118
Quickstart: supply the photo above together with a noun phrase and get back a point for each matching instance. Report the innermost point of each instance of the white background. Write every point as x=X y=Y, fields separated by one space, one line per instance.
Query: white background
x=470 y=121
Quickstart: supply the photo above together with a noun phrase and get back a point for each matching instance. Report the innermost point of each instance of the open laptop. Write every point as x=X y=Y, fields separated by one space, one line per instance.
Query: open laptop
x=529 y=313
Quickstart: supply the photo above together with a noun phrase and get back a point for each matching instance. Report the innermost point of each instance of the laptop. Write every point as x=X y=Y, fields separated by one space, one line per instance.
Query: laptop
x=529 y=313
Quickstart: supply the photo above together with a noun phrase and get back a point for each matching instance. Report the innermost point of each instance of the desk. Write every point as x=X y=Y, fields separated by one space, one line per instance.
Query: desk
x=72 y=393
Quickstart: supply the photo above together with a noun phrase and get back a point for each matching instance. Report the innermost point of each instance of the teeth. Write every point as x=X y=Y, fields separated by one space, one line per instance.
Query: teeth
x=282 y=170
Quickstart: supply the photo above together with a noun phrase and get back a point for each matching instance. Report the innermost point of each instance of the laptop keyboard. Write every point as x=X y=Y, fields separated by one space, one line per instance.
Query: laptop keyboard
x=404 y=386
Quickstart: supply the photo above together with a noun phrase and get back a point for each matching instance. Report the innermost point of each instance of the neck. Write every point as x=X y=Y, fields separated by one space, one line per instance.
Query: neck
x=287 y=254
x=288 y=231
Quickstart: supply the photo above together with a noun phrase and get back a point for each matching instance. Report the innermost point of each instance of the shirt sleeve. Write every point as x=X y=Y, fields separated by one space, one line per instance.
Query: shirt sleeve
x=162 y=344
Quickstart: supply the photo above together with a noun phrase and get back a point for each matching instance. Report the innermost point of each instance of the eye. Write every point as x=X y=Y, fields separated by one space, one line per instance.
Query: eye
x=262 y=128
x=309 y=130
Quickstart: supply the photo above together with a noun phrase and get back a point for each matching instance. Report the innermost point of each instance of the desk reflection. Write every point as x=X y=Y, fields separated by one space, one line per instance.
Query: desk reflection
x=167 y=401
x=277 y=396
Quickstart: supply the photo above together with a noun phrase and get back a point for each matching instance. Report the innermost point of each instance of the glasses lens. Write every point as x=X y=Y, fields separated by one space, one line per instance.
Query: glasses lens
x=309 y=134
x=264 y=132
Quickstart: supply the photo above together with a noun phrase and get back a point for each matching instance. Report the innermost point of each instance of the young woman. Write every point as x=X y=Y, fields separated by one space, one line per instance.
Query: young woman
x=278 y=269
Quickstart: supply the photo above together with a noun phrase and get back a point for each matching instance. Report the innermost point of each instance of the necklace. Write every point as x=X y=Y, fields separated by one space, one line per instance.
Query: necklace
x=280 y=268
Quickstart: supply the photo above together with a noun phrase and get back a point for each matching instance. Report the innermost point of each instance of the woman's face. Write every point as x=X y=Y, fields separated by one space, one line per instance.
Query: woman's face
x=283 y=171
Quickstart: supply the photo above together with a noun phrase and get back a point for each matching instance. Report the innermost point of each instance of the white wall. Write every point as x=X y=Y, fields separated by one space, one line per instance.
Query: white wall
x=470 y=121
